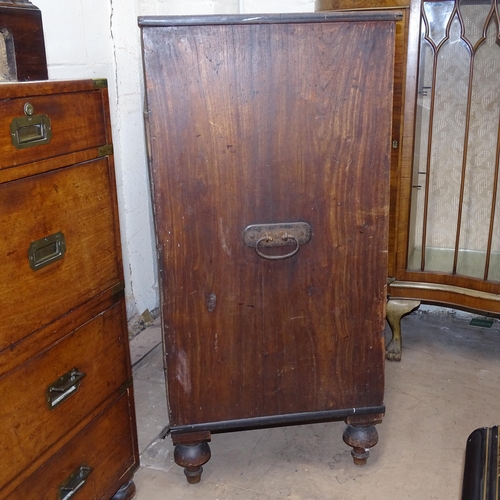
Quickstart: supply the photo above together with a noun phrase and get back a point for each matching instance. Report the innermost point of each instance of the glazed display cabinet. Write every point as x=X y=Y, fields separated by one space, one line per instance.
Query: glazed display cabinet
x=445 y=220
x=269 y=140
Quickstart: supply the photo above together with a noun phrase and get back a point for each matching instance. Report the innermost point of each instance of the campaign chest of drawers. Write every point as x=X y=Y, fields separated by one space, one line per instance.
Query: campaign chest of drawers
x=67 y=412
x=269 y=140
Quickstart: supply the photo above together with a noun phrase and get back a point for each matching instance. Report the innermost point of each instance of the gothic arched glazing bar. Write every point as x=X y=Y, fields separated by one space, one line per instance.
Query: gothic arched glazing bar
x=447 y=24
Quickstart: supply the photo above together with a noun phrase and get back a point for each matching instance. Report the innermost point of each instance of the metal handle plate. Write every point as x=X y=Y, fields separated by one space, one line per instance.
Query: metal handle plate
x=46 y=250
x=74 y=482
x=31 y=130
x=64 y=387
x=261 y=236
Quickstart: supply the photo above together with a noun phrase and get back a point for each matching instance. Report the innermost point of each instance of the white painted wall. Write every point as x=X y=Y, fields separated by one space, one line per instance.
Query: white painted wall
x=96 y=39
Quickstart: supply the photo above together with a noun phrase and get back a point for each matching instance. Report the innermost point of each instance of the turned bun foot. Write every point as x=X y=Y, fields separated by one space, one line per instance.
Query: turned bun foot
x=192 y=457
x=361 y=439
x=126 y=492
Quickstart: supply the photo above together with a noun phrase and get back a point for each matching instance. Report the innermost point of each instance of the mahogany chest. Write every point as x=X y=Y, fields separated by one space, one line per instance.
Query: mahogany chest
x=269 y=140
x=67 y=412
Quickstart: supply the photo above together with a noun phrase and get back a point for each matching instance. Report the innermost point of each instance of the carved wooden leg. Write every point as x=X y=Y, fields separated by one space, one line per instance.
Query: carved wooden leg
x=361 y=435
x=191 y=452
x=396 y=309
x=126 y=492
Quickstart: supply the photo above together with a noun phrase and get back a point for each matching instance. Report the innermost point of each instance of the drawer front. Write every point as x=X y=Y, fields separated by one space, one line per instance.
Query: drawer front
x=42 y=278
x=106 y=447
x=74 y=121
x=45 y=398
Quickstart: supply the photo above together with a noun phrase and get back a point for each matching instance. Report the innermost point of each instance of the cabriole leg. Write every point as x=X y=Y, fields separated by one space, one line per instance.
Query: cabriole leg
x=395 y=310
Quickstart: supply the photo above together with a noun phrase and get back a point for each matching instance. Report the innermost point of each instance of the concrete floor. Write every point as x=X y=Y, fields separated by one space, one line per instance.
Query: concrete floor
x=446 y=385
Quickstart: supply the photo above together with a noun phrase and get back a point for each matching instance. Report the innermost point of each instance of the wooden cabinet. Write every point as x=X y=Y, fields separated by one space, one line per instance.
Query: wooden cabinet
x=445 y=244
x=269 y=141
x=22 y=44
x=67 y=409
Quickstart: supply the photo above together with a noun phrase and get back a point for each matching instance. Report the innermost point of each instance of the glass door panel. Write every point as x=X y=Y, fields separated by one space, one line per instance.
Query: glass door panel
x=454 y=207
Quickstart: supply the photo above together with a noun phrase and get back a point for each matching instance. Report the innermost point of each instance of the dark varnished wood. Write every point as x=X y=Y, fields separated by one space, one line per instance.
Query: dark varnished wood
x=24 y=22
x=192 y=457
x=361 y=439
x=400 y=61
x=267 y=123
x=191 y=432
x=191 y=452
x=253 y=19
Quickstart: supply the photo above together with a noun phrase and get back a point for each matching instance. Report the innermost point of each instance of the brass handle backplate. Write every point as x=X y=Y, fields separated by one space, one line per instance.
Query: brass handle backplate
x=261 y=236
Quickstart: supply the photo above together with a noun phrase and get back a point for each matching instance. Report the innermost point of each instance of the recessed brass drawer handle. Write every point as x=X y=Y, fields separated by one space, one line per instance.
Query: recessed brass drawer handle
x=74 y=482
x=46 y=250
x=64 y=387
x=260 y=236
x=30 y=130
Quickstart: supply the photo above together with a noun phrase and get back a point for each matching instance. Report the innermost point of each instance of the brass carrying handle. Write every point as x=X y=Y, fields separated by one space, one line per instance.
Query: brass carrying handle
x=281 y=234
x=285 y=237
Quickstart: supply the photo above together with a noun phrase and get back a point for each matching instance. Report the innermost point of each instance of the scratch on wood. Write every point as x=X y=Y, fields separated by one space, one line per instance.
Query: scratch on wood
x=223 y=239
x=183 y=372
x=215 y=125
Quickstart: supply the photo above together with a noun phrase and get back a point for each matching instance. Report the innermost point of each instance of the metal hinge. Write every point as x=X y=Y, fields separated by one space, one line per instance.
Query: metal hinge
x=105 y=150
x=100 y=83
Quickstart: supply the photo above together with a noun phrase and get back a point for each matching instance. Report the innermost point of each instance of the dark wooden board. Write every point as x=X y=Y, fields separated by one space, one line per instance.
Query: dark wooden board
x=267 y=123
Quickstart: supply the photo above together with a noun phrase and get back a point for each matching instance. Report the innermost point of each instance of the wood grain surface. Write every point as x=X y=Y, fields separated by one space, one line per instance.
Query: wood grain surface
x=254 y=124
x=78 y=202
x=88 y=349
